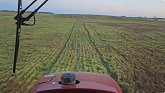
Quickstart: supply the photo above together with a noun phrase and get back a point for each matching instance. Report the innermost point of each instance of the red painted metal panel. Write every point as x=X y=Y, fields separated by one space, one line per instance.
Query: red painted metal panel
x=89 y=82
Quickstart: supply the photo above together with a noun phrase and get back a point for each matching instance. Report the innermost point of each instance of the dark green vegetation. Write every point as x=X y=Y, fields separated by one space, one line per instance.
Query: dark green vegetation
x=130 y=50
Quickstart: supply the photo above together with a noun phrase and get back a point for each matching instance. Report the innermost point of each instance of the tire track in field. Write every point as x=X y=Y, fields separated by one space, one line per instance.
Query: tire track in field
x=110 y=45
x=114 y=17
x=78 y=50
x=62 y=49
x=105 y=64
x=117 y=18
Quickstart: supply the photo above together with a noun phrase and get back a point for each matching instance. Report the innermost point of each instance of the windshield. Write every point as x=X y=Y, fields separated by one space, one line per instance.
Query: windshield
x=123 y=39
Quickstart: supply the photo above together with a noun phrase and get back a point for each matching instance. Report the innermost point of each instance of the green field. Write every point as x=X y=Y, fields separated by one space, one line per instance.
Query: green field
x=130 y=50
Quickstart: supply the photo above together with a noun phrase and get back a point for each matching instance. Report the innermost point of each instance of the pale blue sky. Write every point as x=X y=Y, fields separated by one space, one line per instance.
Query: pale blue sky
x=147 y=8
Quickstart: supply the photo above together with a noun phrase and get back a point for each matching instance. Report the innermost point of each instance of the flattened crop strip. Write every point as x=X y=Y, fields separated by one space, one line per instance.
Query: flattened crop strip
x=78 y=50
x=62 y=49
x=105 y=64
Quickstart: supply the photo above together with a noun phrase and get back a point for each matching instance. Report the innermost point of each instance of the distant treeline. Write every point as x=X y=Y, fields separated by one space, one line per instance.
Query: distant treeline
x=27 y=11
x=8 y=10
x=155 y=18
x=143 y=17
x=46 y=12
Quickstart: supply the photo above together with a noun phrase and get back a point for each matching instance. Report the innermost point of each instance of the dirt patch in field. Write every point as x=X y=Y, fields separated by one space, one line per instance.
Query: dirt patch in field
x=65 y=16
x=161 y=19
x=135 y=27
x=27 y=34
x=42 y=21
x=6 y=19
x=51 y=37
x=24 y=39
x=93 y=16
x=149 y=69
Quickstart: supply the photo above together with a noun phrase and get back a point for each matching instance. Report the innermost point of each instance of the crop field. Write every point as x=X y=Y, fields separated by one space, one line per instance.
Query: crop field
x=130 y=50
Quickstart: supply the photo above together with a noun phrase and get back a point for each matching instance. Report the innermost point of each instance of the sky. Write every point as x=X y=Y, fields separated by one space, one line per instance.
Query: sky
x=132 y=8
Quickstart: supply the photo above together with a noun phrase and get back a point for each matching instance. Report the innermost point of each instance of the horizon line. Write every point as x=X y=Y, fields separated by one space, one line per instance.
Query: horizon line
x=88 y=14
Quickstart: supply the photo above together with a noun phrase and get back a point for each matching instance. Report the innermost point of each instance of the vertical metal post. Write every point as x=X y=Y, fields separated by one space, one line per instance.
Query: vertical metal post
x=17 y=34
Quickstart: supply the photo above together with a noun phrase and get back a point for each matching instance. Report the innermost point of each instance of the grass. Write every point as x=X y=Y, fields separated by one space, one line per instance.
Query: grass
x=135 y=57
x=130 y=50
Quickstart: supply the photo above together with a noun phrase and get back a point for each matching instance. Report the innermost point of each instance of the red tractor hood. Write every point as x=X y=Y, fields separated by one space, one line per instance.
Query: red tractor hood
x=88 y=83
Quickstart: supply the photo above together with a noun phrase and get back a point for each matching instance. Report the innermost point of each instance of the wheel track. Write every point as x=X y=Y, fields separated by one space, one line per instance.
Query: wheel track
x=62 y=49
x=115 y=17
x=109 y=45
x=113 y=74
x=25 y=66
x=78 y=51
x=105 y=64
